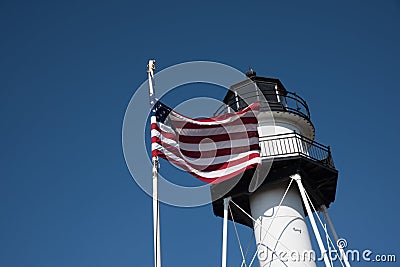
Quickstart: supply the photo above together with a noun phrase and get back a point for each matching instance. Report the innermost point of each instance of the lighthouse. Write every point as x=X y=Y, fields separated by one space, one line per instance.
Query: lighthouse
x=297 y=176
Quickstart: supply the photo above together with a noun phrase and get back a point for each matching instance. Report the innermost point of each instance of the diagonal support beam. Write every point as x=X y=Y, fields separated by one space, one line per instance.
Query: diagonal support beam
x=322 y=249
x=335 y=236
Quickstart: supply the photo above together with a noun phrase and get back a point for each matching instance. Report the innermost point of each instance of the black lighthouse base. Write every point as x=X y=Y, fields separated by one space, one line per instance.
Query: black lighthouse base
x=319 y=180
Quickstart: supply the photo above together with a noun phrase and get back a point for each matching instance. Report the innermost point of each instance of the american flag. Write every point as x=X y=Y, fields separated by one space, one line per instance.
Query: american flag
x=213 y=149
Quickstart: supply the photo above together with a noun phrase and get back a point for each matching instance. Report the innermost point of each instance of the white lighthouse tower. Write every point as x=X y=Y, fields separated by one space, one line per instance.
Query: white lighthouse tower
x=297 y=177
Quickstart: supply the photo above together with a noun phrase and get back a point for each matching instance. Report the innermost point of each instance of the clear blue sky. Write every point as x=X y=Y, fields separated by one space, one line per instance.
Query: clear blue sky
x=69 y=68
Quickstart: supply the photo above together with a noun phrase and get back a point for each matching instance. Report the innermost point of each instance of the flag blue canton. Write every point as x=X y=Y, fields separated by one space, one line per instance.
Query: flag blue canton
x=161 y=111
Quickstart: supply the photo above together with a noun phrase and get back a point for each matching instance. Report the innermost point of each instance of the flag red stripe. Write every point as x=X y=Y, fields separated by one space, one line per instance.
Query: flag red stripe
x=213 y=167
x=205 y=179
x=217 y=138
x=239 y=121
x=209 y=160
x=211 y=153
x=251 y=109
x=213 y=180
x=206 y=139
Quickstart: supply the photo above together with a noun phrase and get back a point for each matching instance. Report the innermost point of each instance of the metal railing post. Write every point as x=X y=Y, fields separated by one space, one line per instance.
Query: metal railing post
x=330 y=159
x=237 y=101
x=297 y=103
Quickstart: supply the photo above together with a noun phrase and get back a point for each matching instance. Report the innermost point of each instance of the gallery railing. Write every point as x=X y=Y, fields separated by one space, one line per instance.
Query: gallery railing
x=277 y=101
x=294 y=144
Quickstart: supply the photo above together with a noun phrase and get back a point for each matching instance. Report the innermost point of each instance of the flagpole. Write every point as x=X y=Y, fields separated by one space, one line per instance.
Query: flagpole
x=156 y=203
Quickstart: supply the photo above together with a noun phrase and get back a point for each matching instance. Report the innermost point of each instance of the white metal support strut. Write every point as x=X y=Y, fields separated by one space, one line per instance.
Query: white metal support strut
x=335 y=236
x=225 y=231
x=322 y=249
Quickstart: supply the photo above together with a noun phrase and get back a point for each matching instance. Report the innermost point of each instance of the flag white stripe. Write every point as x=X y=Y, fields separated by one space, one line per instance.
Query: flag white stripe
x=242 y=128
x=202 y=161
x=244 y=142
x=216 y=173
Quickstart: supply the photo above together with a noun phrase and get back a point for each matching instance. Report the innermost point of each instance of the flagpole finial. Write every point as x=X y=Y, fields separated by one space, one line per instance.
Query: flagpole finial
x=151 y=67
